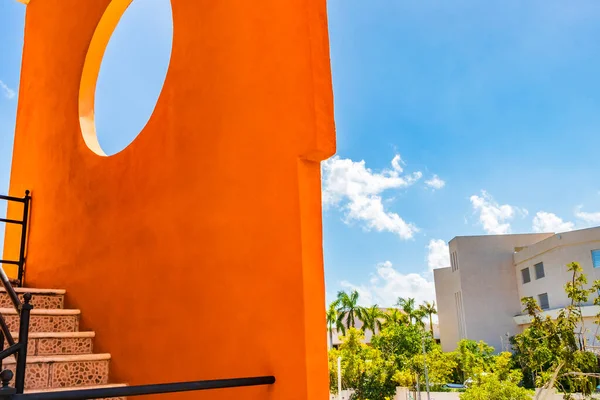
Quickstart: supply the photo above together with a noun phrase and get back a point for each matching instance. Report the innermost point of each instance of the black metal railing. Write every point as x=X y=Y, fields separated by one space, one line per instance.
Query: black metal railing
x=8 y=393
x=20 y=263
x=17 y=349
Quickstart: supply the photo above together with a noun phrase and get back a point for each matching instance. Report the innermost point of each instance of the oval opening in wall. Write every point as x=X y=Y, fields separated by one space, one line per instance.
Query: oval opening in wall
x=124 y=72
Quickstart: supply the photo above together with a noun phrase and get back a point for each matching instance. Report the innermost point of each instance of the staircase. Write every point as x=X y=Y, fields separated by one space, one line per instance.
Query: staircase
x=59 y=356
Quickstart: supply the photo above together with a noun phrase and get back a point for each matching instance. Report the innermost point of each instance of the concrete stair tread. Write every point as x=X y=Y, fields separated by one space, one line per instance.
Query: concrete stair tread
x=42 y=311
x=63 y=389
x=62 y=358
x=57 y=335
x=36 y=291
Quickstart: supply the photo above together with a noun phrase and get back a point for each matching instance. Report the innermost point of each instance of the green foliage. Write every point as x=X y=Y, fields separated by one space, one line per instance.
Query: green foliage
x=440 y=366
x=371 y=318
x=394 y=317
x=414 y=314
x=428 y=309
x=332 y=320
x=474 y=358
x=401 y=343
x=492 y=387
x=348 y=310
x=549 y=348
x=364 y=369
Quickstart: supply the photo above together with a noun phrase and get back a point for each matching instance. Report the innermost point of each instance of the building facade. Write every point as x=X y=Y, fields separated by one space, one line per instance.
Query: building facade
x=479 y=295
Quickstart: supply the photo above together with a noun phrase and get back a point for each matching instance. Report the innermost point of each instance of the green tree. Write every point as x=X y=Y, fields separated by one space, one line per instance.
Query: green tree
x=393 y=316
x=440 y=366
x=401 y=343
x=428 y=309
x=491 y=387
x=371 y=318
x=408 y=306
x=474 y=358
x=364 y=369
x=332 y=320
x=348 y=309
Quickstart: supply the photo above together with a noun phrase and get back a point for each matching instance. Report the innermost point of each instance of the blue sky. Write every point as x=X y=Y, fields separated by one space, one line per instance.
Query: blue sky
x=453 y=118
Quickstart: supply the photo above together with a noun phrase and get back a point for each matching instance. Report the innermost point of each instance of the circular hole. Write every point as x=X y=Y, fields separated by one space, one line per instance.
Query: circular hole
x=124 y=72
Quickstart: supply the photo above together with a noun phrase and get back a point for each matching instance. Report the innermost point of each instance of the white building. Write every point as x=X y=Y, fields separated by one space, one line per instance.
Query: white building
x=479 y=295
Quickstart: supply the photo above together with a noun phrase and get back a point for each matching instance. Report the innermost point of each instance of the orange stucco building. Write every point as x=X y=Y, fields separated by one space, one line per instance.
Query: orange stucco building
x=204 y=235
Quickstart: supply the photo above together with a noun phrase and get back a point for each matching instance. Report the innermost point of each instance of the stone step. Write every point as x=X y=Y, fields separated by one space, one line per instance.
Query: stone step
x=81 y=387
x=40 y=298
x=58 y=343
x=60 y=320
x=46 y=372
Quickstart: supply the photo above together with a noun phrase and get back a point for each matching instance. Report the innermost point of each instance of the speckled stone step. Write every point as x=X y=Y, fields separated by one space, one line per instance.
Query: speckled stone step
x=40 y=298
x=57 y=343
x=44 y=320
x=46 y=372
x=80 y=387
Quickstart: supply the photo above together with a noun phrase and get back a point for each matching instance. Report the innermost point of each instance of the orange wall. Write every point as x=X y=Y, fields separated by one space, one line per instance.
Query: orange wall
x=195 y=253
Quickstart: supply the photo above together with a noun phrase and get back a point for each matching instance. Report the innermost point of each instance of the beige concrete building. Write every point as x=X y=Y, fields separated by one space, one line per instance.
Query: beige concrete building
x=479 y=295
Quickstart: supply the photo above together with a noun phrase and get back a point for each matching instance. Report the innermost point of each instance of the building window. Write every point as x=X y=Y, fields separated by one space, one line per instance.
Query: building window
x=543 y=300
x=525 y=275
x=454 y=261
x=539 y=271
x=596 y=258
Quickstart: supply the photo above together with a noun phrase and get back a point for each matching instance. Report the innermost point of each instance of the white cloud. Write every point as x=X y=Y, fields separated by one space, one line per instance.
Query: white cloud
x=493 y=216
x=388 y=284
x=435 y=182
x=8 y=92
x=549 y=222
x=591 y=218
x=438 y=255
x=396 y=161
x=357 y=190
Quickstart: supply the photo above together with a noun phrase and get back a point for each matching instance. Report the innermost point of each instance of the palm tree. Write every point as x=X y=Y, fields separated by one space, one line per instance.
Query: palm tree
x=408 y=306
x=394 y=317
x=371 y=318
x=428 y=309
x=348 y=309
x=331 y=321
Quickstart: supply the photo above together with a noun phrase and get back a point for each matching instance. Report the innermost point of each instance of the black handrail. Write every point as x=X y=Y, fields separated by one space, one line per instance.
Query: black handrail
x=19 y=348
x=8 y=393
x=26 y=201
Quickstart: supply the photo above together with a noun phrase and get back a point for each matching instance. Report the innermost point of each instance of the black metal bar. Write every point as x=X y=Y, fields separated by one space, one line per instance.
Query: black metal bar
x=12 y=198
x=23 y=339
x=10 y=290
x=11 y=221
x=10 y=351
x=142 y=390
x=27 y=200
x=1 y=346
x=6 y=332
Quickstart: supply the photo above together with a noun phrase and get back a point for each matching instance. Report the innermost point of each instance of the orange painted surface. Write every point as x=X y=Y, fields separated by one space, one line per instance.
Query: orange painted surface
x=196 y=252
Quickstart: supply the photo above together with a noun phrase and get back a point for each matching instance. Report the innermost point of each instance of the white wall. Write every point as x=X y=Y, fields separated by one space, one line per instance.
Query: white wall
x=556 y=252
x=446 y=284
x=488 y=284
